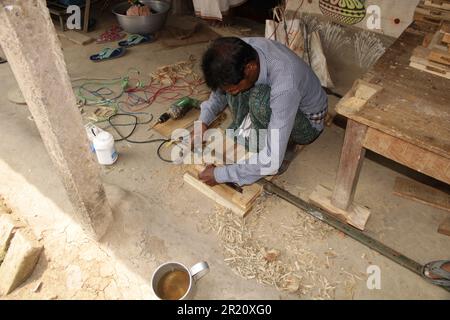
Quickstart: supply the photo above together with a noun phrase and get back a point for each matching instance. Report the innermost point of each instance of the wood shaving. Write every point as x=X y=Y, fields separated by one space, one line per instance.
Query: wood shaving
x=249 y=259
x=180 y=73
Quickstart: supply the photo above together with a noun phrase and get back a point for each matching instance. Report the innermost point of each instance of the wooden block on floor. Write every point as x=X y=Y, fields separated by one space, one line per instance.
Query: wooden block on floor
x=76 y=37
x=444 y=227
x=356 y=215
x=416 y=191
x=20 y=260
x=226 y=196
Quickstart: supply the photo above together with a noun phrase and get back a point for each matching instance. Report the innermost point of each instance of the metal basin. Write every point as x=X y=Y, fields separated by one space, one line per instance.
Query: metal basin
x=142 y=24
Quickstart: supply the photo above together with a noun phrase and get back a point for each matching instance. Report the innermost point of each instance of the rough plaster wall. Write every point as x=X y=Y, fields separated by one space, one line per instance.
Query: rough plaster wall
x=390 y=11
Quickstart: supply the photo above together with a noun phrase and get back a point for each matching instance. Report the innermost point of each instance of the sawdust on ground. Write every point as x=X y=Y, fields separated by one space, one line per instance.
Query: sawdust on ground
x=280 y=254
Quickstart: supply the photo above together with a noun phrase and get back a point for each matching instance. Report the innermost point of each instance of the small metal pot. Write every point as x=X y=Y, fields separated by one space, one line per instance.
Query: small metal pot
x=142 y=24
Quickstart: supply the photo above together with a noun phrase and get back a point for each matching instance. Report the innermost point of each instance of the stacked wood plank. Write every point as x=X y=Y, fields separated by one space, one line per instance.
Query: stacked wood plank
x=433 y=55
x=433 y=11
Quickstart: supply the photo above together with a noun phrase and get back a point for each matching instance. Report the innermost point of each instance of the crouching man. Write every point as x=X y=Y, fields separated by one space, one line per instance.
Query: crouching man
x=267 y=86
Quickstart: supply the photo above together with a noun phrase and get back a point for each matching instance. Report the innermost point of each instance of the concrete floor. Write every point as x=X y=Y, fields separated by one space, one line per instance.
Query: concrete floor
x=159 y=218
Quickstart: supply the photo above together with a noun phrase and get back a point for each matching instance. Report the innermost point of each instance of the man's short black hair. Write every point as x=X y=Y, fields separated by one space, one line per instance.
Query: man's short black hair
x=224 y=61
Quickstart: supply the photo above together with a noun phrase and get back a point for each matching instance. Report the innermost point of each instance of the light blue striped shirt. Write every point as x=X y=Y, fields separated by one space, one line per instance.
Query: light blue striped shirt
x=293 y=85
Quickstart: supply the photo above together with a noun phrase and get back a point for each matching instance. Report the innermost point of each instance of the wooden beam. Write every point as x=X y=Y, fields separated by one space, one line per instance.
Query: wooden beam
x=412 y=156
x=352 y=156
x=414 y=190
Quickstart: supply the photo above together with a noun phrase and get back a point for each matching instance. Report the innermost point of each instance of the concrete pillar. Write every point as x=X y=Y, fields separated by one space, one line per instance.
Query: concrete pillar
x=33 y=50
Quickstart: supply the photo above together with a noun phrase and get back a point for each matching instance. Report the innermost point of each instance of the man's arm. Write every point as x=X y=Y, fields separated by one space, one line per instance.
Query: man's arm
x=284 y=110
x=212 y=107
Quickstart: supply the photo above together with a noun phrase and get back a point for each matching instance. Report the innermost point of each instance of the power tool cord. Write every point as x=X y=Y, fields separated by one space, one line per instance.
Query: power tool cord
x=135 y=123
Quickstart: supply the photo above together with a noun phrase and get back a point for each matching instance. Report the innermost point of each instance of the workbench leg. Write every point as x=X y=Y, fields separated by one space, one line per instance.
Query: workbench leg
x=37 y=61
x=87 y=14
x=352 y=156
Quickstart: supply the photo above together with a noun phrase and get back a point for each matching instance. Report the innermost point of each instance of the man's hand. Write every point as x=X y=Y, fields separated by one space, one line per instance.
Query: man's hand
x=198 y=135
x=207 y=175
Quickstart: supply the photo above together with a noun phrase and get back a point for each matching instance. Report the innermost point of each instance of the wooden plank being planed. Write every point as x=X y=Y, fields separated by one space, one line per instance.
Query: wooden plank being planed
x=222 y=194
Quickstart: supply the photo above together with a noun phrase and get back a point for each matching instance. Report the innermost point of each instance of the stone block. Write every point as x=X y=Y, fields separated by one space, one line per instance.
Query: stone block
x=7 y=226
x=20 y=260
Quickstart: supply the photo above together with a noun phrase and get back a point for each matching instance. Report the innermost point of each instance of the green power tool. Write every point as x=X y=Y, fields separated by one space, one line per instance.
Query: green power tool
x=178 y=109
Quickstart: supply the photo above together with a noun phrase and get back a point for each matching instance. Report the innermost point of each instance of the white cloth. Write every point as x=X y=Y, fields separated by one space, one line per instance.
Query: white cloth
x=213 y=9
x=245 y=127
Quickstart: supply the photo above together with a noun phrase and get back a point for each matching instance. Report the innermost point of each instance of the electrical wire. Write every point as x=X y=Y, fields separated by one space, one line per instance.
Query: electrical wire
x=135 y=123
x=127 y=96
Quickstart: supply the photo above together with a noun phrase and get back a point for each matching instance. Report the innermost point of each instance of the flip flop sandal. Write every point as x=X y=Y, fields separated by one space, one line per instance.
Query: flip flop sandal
x=107 y=54
x=135 y=39
x=2 y=60
x=435 y=267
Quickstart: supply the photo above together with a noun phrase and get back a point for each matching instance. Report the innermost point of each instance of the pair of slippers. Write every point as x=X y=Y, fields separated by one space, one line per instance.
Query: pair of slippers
x=436 y=274
x=113 y=53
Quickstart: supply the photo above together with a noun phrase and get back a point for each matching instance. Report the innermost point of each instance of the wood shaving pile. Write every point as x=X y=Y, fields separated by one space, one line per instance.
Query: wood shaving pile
x=181 y=71
x=299 y=273
x=246 y=257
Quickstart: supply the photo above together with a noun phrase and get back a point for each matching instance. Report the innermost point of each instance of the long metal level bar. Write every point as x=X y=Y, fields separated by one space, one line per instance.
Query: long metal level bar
x=345 y=228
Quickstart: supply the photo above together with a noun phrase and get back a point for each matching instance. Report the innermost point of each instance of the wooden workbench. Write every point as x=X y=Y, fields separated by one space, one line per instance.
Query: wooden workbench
x=399 y=112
